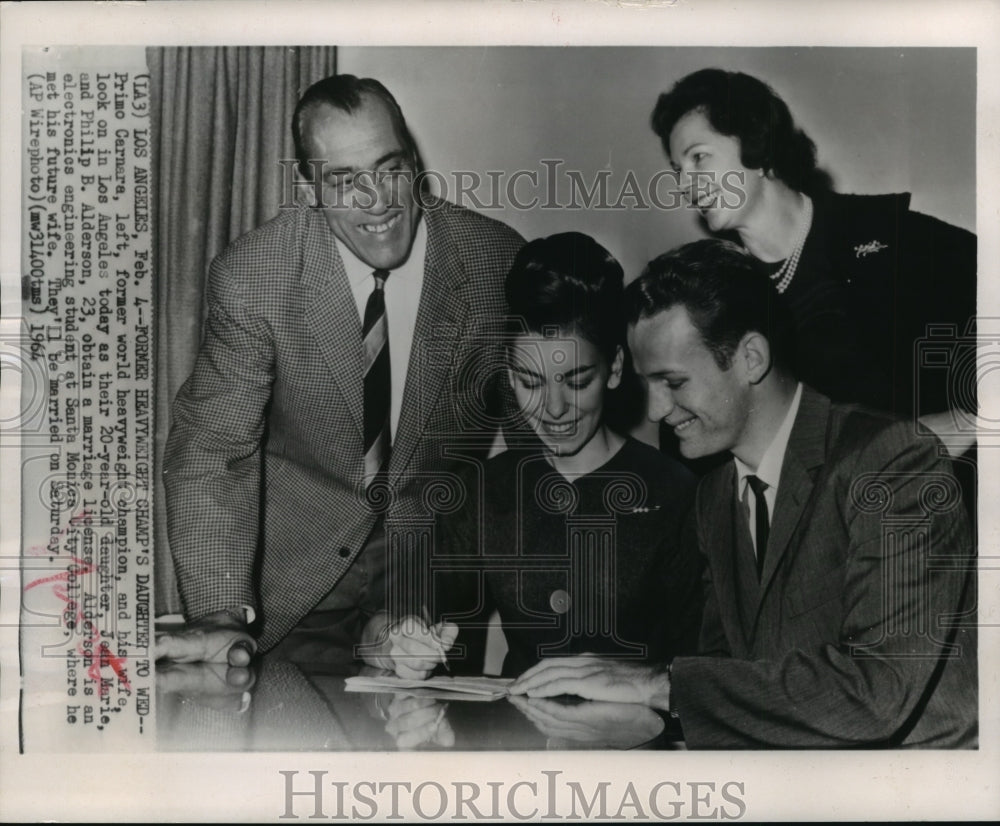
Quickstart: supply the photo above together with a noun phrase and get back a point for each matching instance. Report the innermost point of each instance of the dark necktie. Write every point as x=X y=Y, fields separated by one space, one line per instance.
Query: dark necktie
x=378 y=380
x=760 y=507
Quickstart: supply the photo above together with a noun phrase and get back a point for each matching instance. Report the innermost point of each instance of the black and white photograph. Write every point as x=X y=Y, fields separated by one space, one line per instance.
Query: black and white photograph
x=497 y=412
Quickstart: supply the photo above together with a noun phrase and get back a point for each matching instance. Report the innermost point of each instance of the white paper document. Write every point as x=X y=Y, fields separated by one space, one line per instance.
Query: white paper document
x=458 y=688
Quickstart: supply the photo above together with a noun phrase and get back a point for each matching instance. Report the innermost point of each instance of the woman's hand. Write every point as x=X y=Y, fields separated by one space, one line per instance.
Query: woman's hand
x=418 y=721
x=411 y=647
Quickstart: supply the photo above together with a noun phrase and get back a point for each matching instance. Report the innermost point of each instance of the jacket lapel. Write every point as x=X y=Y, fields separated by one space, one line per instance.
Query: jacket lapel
x=806 y=451
x=440 y=320
x=332 y=313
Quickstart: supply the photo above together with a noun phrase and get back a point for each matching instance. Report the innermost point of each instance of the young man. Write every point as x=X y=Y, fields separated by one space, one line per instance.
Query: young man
x=839 y=586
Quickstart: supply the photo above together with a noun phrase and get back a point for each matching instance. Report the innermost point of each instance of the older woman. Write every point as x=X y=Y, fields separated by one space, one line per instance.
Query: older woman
x=864 y=275
x=574 y=533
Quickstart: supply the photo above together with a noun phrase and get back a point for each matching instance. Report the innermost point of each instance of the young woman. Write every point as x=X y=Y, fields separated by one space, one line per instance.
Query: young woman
x=573 y=533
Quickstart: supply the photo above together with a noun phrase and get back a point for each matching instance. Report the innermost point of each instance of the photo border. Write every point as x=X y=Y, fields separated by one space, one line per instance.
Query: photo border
x=869 y=785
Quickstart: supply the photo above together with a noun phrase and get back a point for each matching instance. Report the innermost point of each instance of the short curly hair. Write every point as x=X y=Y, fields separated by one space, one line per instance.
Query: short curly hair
x=749 y=110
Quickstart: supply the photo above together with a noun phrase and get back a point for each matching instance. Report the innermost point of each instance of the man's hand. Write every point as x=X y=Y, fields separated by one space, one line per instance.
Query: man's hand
x=593 y=678
x=212 y=685
x=595 y=725
x=411 y=647
x=217 y=638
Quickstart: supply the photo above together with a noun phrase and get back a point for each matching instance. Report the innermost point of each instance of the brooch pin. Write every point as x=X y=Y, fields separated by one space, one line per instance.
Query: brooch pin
x=861 y=250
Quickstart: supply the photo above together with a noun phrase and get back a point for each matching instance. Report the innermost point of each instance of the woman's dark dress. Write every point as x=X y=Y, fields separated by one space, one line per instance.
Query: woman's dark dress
x=882 y=298
x=593 y=565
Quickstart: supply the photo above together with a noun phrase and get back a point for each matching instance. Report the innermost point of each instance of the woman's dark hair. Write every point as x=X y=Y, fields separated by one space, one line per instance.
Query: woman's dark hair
x=567 y=282
x=749 y=110
x=726 y=293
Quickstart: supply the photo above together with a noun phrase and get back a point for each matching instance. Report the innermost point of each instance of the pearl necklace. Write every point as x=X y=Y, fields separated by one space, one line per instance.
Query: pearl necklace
x=784 y=276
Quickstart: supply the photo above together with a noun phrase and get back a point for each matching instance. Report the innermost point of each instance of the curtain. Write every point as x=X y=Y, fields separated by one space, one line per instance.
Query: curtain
x=221 y=124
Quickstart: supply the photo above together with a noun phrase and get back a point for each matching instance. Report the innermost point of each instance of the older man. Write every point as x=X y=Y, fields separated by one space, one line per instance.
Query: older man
x=336 y=368
x=839 y=581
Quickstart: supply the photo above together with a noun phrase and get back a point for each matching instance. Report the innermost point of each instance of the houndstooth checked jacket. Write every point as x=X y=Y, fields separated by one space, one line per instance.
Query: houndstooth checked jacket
x=264 y=463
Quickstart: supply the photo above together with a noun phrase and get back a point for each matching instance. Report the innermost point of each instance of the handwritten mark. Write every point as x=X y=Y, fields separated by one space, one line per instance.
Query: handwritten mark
x=74 y=617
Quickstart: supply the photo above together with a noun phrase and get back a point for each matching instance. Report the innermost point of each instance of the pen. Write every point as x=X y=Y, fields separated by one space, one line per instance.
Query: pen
x=434 y=636
x=440 y=717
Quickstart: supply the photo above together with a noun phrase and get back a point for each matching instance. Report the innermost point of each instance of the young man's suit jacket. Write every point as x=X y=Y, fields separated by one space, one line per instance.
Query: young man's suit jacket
x=860 y=632
x=266 y=504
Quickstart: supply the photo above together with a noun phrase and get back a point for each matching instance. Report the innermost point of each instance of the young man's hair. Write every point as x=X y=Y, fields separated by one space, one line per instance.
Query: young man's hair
x=726 y=292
